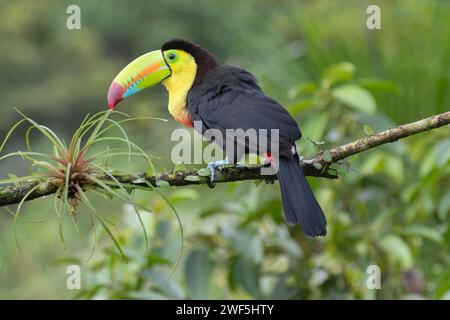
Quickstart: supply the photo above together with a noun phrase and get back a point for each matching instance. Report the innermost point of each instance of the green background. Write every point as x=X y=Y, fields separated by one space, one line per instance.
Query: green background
x=340 y=80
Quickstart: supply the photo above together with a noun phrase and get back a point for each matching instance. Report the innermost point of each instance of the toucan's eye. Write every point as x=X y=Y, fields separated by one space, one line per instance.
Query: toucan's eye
x=172 y=56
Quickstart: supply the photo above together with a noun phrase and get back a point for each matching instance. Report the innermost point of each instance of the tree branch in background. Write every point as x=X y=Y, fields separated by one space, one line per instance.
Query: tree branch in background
x=319 y=166
x=390 y=135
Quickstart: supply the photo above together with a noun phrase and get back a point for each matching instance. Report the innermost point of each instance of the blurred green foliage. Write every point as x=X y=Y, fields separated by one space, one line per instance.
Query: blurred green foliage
x=340 y=80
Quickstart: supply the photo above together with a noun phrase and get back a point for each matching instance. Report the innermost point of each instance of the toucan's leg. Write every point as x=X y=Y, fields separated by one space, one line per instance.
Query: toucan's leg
x=212 y=166
x=267 y=159
x=267 y=162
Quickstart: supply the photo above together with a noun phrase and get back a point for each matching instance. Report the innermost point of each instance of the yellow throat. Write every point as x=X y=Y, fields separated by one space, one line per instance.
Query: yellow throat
x=178 y=85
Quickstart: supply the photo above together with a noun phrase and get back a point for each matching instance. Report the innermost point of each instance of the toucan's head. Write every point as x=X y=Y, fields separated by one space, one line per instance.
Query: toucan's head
x=179 y=65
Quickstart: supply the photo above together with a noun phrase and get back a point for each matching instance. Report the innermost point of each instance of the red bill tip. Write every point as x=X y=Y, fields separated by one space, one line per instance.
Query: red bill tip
x=115 y=93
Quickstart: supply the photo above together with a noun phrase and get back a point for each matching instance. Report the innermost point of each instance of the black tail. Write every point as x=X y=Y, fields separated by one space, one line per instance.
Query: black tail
x=299 y=204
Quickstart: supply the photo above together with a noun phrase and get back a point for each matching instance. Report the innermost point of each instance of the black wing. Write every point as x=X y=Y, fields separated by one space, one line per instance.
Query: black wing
x=233 y=100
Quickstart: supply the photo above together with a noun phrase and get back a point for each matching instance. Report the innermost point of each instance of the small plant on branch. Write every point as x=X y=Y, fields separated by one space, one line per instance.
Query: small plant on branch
x=72 y=170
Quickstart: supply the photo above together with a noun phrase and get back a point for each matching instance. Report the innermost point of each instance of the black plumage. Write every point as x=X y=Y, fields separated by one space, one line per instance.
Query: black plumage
x=230 y=98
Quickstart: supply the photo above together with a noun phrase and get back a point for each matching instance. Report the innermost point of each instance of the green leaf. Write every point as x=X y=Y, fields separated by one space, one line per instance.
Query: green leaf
x=444 y=206
x=157 y=275
x=156 y=259
x=315 y=127
x=379 y=85
x=184 y=194
x=192 y=178
x=10 y=132
x=317 y=143
x=427 y=164
x=198 y=274
x=395 y=168
x=65 y=261
x=248 y=245
x=302 y=88
x=338 y=73
x=398 y=251
x=204 y=172
x=368 y=129
x=342 y=171
x=49 y=134
x=374 y=163
x=304 y=104
x=129 y=190
x=423 y=232
x=18 y=210
x=179 y=167
x=162 y=183
x=355 y=97
x=150 y=170
x=442 y=152
x=87 y=202
x=246 y=274
x=326 y=155
x=16 y=180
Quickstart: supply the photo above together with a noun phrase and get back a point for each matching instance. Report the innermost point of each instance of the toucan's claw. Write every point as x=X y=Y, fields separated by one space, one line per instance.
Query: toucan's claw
x=213 y=166
x=269 y=180
x=210 y=183
x=265 y=163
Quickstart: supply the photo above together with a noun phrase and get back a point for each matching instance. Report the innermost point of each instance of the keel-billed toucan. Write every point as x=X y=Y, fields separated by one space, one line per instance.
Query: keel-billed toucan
x=224 y=97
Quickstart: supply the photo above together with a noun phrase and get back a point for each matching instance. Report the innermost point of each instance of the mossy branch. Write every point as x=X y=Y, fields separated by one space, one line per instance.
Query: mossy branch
x=319 y=166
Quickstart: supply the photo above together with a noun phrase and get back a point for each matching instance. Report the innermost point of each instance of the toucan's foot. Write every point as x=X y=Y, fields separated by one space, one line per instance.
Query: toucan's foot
x=265 y=163
x=210 y=184
x=213 y=166
x=269 y=180
x=267 y=159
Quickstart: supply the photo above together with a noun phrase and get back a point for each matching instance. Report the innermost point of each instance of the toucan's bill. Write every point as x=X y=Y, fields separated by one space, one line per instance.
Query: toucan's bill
x=144 y=72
